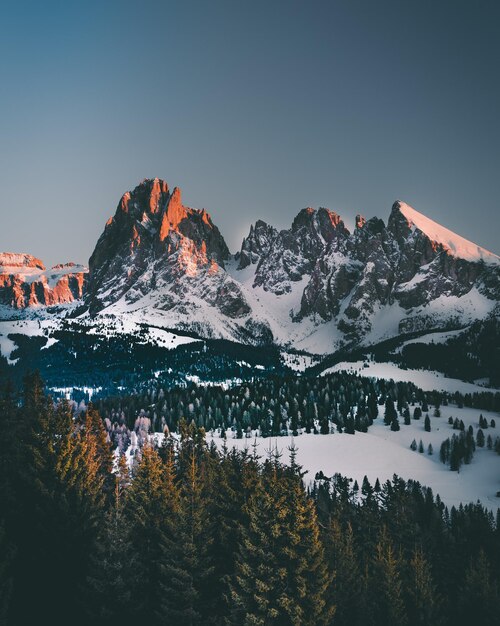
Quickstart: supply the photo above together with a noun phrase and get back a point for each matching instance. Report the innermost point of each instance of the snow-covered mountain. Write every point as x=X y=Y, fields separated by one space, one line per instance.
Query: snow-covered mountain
x=315 y=287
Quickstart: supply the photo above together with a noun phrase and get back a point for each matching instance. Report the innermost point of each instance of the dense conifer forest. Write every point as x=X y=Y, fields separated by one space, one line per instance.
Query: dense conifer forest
x=192 y=534
x=276 y=405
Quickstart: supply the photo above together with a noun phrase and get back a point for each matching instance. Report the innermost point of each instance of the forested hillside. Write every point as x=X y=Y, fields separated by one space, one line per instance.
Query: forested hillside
x=193 y=535
x=275 y=405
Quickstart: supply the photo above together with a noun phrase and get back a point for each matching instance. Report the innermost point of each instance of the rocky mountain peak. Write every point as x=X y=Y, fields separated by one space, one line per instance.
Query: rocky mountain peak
x=257 y=244
x=162 y=260
x=305 y=217
x=360 y=221
x=398 y=224
x=322 y=222
x=293 y=253
x=407 y=224
x=157 y=194
x=152 y=235
x=9 y=261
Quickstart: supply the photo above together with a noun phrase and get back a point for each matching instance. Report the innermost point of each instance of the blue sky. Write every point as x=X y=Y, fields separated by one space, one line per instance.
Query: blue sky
x=255 y=109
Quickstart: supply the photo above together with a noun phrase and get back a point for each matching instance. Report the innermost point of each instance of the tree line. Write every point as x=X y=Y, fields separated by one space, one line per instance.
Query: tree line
x=277 y=405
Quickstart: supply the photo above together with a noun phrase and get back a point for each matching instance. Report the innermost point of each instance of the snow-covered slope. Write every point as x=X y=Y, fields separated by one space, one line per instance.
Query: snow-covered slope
x=456 y=245
x=424 y=379
x=381 y=453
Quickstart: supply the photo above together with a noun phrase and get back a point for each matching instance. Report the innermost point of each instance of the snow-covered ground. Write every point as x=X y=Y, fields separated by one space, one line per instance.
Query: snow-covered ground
x=427 y=380
x=433 y=338
x=111 y=326
x=68 y=392
x=102 y=326
x=298 y=362
x=380 y=453
x=29 y=327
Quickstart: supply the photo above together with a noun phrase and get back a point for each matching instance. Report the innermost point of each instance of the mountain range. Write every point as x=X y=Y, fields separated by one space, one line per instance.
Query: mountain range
x=315 y=287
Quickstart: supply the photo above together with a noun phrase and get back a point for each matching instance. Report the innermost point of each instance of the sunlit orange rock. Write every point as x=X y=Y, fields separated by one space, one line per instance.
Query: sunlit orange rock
x=25 y=282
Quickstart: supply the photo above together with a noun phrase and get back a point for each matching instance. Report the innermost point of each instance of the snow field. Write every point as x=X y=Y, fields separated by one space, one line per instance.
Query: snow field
x=427 y=380
x=381 y=453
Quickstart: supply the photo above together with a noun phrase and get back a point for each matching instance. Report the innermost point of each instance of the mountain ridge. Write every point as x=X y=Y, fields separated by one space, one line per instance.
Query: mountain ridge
x=315 y=286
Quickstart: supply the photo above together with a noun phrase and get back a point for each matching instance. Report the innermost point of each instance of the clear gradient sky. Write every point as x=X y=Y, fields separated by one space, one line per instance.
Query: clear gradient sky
x=254 y=108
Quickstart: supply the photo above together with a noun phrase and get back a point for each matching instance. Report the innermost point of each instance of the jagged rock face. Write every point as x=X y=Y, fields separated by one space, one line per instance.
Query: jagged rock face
x=354 y=263
x=293 y=253
x=426 y=269
x=257 y=244
x=25 y=282
x=156 y=245
x=400 y=264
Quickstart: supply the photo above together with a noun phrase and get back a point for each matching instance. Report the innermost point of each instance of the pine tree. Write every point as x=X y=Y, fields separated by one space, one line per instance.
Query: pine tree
x=444 y=451
x=304 y=555
x=94 y=426
x=148 y=506
x=390 y=412
x=386 y=589
x=480 y=439
x=186 y=558
x=281 y=573
x=80 y=511
x=344 y=593
x=423 y=604
x=479 y=600
x=226 y=497
x=112 y=578
x=427 y=424
x=60 y=509
x=251 y=590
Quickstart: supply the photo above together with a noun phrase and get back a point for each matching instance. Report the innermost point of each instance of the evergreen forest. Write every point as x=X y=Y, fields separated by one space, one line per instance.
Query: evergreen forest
x=194 y=534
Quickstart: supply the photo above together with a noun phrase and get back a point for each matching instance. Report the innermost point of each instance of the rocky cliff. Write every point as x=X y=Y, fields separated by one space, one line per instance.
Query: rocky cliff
x=25 y=282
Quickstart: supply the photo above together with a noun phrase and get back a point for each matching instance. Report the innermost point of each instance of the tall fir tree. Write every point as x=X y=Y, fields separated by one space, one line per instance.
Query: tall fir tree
x=344 y=591
x=423 y=602
x=186 y=556
x=479 y=599
x=281 y=573
x=112 y=577
x=148 y=506
x=386 y=588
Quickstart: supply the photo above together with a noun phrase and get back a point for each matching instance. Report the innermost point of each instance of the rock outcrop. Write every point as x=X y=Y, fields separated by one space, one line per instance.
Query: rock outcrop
x=155 y=247
x=25 y=282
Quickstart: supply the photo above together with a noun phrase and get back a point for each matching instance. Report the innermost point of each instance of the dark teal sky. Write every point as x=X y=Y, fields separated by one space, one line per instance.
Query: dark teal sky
x=255 y=109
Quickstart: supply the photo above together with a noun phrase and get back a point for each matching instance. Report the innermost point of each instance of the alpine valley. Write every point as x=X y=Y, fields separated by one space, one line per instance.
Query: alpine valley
x=164 y=296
